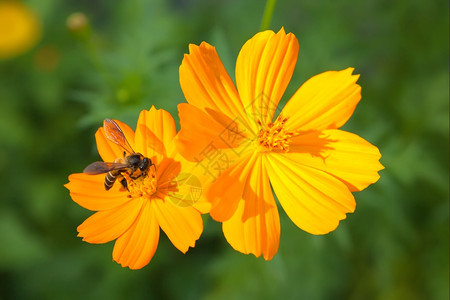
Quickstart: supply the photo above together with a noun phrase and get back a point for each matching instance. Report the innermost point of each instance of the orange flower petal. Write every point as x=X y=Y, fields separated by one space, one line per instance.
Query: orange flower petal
x=227 y=190
x=264 y=68
x=136 y=247
x=107 y=149
x=183 y=225
x=195 y=140
x=314 y=200
x=155 y=130
x=255 y=226
x=325 y=101
x=339 y=153
x=89 y=192
x=206 y=83
x=107 y=225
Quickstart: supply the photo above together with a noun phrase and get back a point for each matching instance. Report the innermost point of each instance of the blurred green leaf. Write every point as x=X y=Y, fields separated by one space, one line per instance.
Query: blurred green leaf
x=53 y=99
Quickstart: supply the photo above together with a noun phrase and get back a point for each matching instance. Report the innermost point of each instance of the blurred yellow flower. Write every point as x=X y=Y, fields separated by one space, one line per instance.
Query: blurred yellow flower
x=298 y=151
x=132 y=208
x=20 y=29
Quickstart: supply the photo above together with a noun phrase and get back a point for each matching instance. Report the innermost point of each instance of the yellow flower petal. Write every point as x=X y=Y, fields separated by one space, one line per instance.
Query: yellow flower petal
x=264 y=68
x=314 y=200
x=155 y=130
x=136 y=247
x=326 y=101
x=255 y=226
x=191 y=184
x=89 y=192
x=339 y=153
x=107 y=225
x=107 y=149
x=227 y=190
x=206 y=83
x=183 y=225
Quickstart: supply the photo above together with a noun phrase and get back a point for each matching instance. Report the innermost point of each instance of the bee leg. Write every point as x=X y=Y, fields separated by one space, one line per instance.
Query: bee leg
x=124 y=184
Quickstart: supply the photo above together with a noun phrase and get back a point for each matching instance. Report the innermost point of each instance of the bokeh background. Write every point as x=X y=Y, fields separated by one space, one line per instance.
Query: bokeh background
x=124 y=57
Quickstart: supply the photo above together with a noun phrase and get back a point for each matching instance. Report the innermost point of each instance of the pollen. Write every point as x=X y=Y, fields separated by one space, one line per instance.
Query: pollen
x=274 y=136
x=142 y=186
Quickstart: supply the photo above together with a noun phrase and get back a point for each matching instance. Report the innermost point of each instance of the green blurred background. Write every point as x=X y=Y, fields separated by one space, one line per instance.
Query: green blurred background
x=55 y=96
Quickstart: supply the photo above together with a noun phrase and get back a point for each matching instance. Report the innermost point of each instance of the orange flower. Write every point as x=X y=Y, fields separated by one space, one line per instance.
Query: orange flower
x=132 y=214
x=20 y=29
x=311 y=165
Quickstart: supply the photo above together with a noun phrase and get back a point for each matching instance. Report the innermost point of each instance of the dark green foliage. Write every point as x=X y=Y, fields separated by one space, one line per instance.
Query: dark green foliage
x=396 y=244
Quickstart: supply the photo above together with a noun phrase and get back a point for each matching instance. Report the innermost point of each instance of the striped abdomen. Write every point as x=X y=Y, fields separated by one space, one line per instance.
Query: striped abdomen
x=110 y=178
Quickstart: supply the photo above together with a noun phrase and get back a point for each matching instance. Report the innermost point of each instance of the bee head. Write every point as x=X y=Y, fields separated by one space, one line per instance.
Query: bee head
x=144 y=164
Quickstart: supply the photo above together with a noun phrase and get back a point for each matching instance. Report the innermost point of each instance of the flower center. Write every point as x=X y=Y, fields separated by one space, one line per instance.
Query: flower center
x=142 y=186
x=274 y=136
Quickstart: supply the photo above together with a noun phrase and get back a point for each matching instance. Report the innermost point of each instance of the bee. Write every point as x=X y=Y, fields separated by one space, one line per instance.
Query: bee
x=133 y=164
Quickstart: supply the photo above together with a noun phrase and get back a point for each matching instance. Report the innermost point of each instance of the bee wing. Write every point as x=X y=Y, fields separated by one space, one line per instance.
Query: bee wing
x=100 y=167
x=115 y=135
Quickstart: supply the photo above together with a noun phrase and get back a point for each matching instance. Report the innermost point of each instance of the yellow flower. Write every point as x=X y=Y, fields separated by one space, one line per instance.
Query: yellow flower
x=19 y=29
x=311 y=165
x=138 y=203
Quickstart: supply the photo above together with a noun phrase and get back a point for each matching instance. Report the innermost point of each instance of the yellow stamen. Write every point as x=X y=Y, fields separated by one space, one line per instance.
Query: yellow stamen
x=143 y=186
x=274 y=136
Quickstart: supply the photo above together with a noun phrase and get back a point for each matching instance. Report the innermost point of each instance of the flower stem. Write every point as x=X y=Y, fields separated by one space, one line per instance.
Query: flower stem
x=268 y=12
